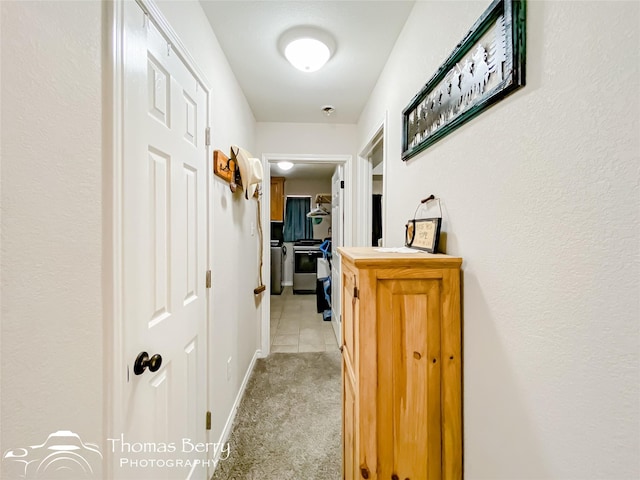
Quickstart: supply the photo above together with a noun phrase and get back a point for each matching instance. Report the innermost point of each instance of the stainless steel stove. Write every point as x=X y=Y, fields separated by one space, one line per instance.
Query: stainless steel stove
x=305 y=253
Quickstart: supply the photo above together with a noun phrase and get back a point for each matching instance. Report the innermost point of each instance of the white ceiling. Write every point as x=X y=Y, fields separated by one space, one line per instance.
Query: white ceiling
x=365 y=32
x=316 y=171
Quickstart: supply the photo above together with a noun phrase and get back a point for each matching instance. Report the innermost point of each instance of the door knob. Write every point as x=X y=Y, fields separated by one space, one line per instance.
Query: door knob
x=143 y=361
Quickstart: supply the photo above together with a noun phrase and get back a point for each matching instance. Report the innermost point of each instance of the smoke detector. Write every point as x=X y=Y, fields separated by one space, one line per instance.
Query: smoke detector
x=328 y=110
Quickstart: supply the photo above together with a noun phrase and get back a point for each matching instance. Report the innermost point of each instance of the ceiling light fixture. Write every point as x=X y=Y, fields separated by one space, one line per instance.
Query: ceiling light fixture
x=285 y=166
x=307 y=48
x=307 y=54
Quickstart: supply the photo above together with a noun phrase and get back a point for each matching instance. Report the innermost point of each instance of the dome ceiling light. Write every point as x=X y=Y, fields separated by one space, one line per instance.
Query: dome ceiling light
x=307 y=54
x=307 y=48
x=285 y=166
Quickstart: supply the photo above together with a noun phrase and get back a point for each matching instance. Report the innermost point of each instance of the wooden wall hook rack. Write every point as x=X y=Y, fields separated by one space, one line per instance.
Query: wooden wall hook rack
x=227 y=169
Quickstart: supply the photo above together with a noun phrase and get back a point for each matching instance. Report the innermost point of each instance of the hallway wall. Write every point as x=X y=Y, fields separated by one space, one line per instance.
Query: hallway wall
x=56 y=213
x=51 y=287
x=540 y=197
x=306 y=138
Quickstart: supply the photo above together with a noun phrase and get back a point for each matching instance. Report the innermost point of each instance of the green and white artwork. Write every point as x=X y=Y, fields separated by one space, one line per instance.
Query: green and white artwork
x=486 y=66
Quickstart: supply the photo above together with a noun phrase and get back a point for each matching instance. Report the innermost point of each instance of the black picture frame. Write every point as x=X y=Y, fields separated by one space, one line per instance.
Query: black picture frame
x=494 y=54
x=423 y=234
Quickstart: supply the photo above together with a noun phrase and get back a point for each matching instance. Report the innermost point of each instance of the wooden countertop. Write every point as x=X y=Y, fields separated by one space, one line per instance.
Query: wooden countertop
x=372 y=256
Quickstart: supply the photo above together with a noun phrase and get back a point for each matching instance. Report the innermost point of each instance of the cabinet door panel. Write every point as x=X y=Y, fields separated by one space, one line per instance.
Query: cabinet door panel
x=408 y=390
x=277 y=199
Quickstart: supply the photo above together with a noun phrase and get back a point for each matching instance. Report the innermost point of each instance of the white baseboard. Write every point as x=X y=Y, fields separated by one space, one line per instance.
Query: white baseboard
x=226 y=431
x=287 y=284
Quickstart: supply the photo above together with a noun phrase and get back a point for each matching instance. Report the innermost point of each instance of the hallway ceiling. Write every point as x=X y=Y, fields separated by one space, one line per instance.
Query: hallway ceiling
x=365 y=32
x=315 y=171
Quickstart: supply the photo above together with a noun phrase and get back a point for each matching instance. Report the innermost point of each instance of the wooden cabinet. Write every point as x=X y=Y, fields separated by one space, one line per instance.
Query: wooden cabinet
x=401 y=366
x=277 y=199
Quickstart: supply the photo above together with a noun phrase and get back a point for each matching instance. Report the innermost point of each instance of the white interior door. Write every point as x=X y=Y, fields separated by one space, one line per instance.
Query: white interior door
x=164 y=258
x=337 y=240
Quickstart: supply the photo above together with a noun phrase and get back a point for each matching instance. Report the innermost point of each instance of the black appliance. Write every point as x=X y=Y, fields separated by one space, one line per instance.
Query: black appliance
x=305 y=265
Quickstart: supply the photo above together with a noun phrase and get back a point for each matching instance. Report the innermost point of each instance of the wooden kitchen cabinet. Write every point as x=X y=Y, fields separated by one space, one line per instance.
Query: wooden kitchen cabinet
x=277 y=199
x=401 y=366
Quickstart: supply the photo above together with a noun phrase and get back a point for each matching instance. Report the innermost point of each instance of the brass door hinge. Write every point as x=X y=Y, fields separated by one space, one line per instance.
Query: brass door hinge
x=208 y=280
x=355 y=292
x=208 y=423
x=207 y=136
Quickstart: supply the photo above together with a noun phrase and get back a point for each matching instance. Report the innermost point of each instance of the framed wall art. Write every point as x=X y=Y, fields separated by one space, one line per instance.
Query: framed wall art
x=486 y=66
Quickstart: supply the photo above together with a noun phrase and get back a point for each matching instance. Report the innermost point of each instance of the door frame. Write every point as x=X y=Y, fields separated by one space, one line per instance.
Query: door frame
x=378 y=134
x=267 y=158
x=113 y=287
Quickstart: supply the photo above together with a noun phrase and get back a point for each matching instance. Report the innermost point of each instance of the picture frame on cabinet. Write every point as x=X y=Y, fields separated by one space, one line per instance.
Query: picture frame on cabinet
x=423 y=234
x=486 y=66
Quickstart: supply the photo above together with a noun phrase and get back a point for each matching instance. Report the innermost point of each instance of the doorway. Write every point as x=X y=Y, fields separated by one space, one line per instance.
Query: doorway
x=372 y=167
x=330 y=163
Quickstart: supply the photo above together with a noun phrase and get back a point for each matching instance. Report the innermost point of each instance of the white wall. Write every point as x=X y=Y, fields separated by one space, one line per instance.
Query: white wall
x=235 y=310
x=306 y=138
x=53 y=214
x=51 y=287
x=540 y=197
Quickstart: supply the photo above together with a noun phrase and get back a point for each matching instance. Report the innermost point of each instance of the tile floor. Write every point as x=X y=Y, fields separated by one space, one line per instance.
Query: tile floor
x=297 y=327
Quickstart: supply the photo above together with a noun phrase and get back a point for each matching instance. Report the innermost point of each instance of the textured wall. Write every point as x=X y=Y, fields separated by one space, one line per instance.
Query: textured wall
x=540 y=196
x=52 y=350
x=306 y=138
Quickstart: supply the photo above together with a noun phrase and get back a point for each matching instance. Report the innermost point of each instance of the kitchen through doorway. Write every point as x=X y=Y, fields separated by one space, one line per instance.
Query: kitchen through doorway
x=302 y=263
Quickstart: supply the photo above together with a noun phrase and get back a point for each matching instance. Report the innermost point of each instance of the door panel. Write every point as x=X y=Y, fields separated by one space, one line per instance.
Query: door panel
x=158 y=276
x=412 y=348
x=164 y=253
x=191 y=233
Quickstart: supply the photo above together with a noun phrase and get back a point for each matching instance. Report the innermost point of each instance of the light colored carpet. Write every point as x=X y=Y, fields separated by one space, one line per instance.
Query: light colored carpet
x=288 y=425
